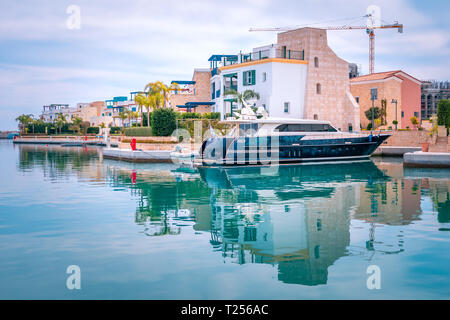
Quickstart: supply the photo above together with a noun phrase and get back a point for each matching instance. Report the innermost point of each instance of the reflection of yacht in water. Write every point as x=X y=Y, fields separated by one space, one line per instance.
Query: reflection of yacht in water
x=273 y=140
x=297 y=219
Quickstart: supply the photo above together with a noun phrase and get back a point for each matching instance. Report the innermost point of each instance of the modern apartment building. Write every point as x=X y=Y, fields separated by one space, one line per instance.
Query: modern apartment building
x=431 y=93
x=50 y=112
x=268 y=72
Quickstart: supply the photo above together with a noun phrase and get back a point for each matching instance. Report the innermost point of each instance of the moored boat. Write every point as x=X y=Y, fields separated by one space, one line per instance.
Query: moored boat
x=270 y=141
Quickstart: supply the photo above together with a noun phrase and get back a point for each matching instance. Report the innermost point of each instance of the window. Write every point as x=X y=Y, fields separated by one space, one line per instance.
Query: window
x=403 y=114
x=318 y=88
x=286 y=107
x=283 y=51
x=246 y=129
x=213 y=91
x=316 y=62
x=305 y=127
x=416 y=114
x=264 y=77
x=248 y=77
x=350 y=127
x=316 y=117
x=357 y=99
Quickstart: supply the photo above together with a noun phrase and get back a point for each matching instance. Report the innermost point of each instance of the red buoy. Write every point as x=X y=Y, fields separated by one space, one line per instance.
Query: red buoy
x=133 y=144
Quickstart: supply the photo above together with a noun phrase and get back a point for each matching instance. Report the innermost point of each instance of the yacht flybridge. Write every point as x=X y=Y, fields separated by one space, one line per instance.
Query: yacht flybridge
x=266 y=141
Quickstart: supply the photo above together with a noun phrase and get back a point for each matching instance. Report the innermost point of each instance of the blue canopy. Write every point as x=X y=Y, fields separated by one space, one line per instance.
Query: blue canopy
x=183 y=82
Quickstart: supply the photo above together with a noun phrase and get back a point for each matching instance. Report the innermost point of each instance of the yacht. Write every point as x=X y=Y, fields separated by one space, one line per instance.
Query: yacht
x=266 y=141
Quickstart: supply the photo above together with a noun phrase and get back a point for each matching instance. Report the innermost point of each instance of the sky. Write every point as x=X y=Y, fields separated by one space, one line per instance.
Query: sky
x=46 y=56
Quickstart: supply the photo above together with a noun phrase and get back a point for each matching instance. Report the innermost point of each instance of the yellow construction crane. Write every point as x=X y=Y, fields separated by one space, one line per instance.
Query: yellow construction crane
x=370 y=30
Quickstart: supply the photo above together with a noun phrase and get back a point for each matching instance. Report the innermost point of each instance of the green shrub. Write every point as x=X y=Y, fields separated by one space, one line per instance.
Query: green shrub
x=190 y=115
x=115 y=130
x=94 y=130
x=369 y=126
x=145 y=119
x=443 y=113
x=163 y=122
x=211 y=115
x=376 y=113
x=138 y=132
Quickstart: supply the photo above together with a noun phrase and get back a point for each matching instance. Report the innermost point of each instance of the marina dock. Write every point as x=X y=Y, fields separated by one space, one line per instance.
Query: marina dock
x=64 y=141
x=137 y=155
x=427 y=159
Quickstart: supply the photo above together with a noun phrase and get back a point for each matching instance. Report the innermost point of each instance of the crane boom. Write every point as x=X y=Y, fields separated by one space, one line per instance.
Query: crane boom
x=369 y=30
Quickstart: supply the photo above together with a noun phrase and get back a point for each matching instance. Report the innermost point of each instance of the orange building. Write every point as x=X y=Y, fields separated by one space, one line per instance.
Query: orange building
x=391 y=86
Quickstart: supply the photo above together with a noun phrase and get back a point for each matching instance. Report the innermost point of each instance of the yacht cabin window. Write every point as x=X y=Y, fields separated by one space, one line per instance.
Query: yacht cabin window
x=305 y=127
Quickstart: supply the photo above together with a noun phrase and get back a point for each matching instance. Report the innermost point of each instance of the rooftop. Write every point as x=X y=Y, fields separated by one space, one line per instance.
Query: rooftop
x=382 y=76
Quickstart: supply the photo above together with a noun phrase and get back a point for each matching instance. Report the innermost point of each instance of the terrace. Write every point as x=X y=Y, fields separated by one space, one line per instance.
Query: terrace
x=267 y=52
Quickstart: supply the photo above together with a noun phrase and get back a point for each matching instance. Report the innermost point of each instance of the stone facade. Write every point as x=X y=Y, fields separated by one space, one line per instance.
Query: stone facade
x=390 y=89
x=201 y=92
x=327 y=95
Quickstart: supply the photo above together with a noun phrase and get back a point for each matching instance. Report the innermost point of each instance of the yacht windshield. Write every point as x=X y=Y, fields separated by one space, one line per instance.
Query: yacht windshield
x=247 y=129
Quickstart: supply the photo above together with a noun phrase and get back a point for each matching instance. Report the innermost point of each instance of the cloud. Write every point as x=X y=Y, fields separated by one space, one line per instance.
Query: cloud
x=124 y=44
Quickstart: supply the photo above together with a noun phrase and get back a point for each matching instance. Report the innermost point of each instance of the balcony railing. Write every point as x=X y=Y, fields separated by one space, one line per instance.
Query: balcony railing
x=273 y=53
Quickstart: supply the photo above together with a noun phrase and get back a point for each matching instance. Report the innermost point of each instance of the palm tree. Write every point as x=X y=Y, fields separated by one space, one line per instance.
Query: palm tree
x=160 y=92
x=129 y=114
x=140 y=99
x=123 y=116
x=60 y=121
x=242 y=98
x=76 y=124
x=24 y=120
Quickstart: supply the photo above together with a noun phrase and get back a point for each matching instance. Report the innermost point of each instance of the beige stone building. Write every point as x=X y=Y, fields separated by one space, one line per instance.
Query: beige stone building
x=191 y=92
x=327 y=95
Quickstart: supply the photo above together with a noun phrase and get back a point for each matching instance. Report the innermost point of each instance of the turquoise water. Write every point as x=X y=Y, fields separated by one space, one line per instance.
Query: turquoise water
x=157 y=231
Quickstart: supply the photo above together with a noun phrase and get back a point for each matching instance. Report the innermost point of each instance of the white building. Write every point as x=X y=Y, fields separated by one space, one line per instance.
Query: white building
x=50 y=112
x=278 y=76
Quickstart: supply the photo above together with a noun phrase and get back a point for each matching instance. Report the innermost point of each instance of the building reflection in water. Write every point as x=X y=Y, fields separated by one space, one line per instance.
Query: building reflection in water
x=296 y=219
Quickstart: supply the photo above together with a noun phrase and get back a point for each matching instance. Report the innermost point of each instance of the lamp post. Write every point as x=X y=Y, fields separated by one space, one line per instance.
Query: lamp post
x=396 y=122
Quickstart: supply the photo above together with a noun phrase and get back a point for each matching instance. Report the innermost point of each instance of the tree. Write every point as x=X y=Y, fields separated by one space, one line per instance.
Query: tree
x=76 y=124
x=395 y=123
x=160 y=92
x=242 y=98
x=376 y=113
x=443 y=113
x=141 y=100
x=24 y=120
x=85 y=125
x=60 y=121
x=123 y=116
x=414 y=121
x=163 y=122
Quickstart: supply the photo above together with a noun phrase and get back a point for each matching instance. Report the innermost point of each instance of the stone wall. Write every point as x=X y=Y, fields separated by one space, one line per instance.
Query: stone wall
x=332 y=100
x=202 y=89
